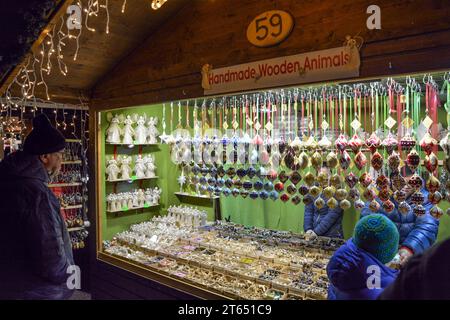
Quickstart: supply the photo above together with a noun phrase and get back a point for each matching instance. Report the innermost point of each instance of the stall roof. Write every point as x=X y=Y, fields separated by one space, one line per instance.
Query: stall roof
x=99 y=52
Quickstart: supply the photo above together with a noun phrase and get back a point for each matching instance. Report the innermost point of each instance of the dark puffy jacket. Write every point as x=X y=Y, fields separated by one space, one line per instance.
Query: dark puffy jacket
x=324 y=222
x=425 y=276
x=418 y=234
x=35 y=249
x=348 y=274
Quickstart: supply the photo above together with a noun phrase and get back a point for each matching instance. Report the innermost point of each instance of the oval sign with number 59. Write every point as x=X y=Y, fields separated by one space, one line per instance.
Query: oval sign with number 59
x=270 y=28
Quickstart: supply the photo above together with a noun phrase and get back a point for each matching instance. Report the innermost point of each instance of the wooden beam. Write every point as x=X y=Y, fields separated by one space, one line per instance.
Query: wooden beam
x=57 y=14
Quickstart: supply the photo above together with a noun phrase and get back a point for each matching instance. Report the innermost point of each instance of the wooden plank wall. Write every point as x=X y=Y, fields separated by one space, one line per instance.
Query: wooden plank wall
x=415 y=37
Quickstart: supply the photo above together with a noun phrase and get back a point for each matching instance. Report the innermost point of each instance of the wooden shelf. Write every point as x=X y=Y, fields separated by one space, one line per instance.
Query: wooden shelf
x=78 y=206
x=71 y=162
x=58 y=185
x=182 y=194
x=75 y=229
x=135 y=208
x=131 y=180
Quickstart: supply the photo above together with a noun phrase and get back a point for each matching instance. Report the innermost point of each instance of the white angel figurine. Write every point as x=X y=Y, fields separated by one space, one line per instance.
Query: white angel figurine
x=125 y=168
x=109 y=201
x=112 y=170
x=136 y=199
x=139 y=167
x=149 y=197
x=141 y=198
x=114 y=130
x=129 y=197
x=149 y=166
x=141 y=131
x=128 y=131
x=152 y=131
x=123 y=200
x=114 y=203
x=156 y=195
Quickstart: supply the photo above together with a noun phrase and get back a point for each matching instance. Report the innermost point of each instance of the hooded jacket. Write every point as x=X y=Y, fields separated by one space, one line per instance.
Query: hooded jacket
x=324 y=222
x=351 y=271
x=35 y=248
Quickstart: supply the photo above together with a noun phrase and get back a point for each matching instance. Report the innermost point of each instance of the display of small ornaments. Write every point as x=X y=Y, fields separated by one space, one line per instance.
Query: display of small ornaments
x=187 y=216
x=122 y=168
x=132 y=129
x=136 y=199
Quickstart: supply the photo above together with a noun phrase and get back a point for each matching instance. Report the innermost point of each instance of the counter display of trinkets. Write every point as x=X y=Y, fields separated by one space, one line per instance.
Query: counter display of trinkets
x=333 y=145
x=243 y=266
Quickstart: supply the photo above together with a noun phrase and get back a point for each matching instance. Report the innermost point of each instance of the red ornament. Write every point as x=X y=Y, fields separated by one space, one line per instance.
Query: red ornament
x=355 y=143
x=377 y=161
x=284 y=197
x=388 y=206
x=373 y=143
x=431 y=162
x=382 y=182
x=279 y=186
x=365 y=179
x=360 y=160
x=351 y=180
x=341 y=142
x=344 y=160
x=413 y=160
x=415 y=182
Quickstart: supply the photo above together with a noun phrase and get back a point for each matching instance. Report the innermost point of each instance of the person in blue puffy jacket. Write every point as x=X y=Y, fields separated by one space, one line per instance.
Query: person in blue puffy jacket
x=357 y=270
x=323 y=222
x=416 y=233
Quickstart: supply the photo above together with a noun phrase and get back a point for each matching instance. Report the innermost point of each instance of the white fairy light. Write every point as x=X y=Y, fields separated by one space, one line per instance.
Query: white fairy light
x=124 y=5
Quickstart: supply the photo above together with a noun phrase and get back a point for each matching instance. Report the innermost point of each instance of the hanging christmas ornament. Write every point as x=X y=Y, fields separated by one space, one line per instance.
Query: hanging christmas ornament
x=226 y=192
x=322 y=179
x=419 y=210
x=351 y=179
x=254 y=195
x=382 y=182
x=336 y=180
x=329 y=192
x=229 y=183
x=390 y=143
x=445 y=145
x=354 y=194
x=235 y=192
x=304 y=190
x=415 y=182
x=279 y=186
x=344 y=160
x=303 y=160
x=310 y=144
x=315 y=191
x=360 y=160
x=355 y=143
x=332 y=203
x=316 y=160
x=369 y=194
x=377 y=161
x=284 y=197
x=407 y=143
x=244 y=193
x=394 y=161
x=332 y=160
x=264 y=195
x=345 y=204
x=359 y=204
x=341 y=143
x=307 y=200
x=296 y=200
x=290 y=159
x=272 y=175
x=341 y=194
x=413 y=160
x=374 y=206
x=431 y=162
x=241 y=172
x=251 y=172
x=282 y=176
x=231 y=172
x=399 y=196
x=319 y=203
x=436 y=212
x=428 y=143
x=324 y=143
x=404 y=208
x=373 y=142
x=384 y=194
x=291 y=189
x=273 y=195
x=268 y=186
x=388 y=206
x=398 y=182
x=258 y=185
x=295 y=177
x=365 y=179
x=309 y=179
x=417 y=198
x=433 y=184
x=434 y=197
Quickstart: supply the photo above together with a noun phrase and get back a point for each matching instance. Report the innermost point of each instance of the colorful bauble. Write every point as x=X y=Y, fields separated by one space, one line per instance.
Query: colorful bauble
x=220 y=171
x=268 y=186
x=388 y=206
x=344 y=160
x=241 y=172
x=296 y=200
x=332 y=160
x=284 y=197
x=272 y=175
x=399 y=196
x=316 y=160
x=419 y=210
x=307 y=200
x=309 y=179
x=376 y=161
x=433 y=184
x=322 y=179
x=341 y=142
x=336 y=180
x=428 y=143
x=398 y=182
x=436 y=212
x=282 y=176
x=230 y=172
x=407 y=143
x=295 y=177
x=431 y=162
x=390 y=143
x=359 y=204
x=273 y=195
x=279 y=186
x=394 y=161
x=212 y=181
x=319 y=203
x=374 y=206
x=354 y=194
x=415 y=182
x=264 y=195
x=247 y=185
x=315 y=191
x=369 y=194
x=235 y=192
x=341 y=194
x=229 y=183
x=413 y=160
x=434 y=197
x=373 y=142
x=304 y=190
x=384 y=194
x=226 y=192
x=345 y=204
x=351 y=179
x=332 y=203
x=382 y=182
x=365 y=179
x=291 y=189
x=417 y=198
x=258 y=185
x=324 y=143
x=303 y=160
x=329 y=192
x=244 y=193
x=355 y=143
x=404 y=207
x=360 y=160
